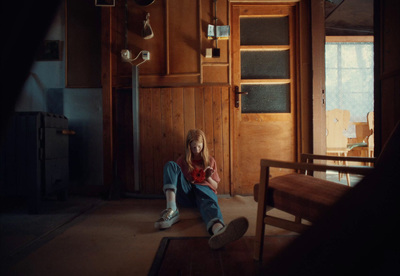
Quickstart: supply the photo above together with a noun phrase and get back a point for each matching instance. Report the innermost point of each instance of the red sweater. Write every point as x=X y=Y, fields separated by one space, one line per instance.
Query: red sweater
x=199 y=164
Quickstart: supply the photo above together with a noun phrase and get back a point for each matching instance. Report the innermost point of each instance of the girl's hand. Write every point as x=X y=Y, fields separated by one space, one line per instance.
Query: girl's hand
x=209 y=172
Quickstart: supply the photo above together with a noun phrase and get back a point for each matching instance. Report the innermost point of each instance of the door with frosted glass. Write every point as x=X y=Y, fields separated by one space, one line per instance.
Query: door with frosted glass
x=264 y=89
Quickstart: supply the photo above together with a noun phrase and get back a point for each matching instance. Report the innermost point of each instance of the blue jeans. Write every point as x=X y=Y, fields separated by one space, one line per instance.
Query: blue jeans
x=192 y=195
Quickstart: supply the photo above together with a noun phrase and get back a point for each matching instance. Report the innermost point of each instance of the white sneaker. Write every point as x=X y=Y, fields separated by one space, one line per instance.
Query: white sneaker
x=231 y=232
x=168 y=217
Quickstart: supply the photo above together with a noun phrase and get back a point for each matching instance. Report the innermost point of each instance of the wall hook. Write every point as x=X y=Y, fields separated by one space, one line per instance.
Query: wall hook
x=147 y=32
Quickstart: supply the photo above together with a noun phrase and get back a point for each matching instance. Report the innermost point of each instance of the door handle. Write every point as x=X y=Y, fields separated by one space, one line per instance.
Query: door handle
x=237 y=93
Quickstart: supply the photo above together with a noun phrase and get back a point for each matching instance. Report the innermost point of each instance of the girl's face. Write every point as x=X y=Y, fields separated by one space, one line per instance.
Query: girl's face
x=196 y=148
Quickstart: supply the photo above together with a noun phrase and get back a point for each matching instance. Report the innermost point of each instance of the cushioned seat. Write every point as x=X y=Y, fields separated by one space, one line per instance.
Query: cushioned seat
x=307 y=199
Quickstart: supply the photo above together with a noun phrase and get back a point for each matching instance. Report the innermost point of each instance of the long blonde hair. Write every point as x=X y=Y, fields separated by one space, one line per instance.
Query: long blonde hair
x=198 y=136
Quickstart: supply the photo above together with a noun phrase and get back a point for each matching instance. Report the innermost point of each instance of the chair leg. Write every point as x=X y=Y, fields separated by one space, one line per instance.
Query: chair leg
x=338 y=162
x=261 y=210
x=348 y=179
x=259 y=242
x=260 y=229
x=347 y=174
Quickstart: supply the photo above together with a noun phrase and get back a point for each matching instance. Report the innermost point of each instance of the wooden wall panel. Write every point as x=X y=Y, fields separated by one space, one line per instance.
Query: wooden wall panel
x=217 y=137
x=390 y=102
x=156 y=138
x=146 y=129
x=177 y=50
x=132 y=39
x=208 y=118
x=107 y=91
x=166 y=114
x=225 y=166
x=387 y=55
x=189 y=109
x=199 y=107
x=167 y=137
x=83 y=44
x=123 y=150
x=183 y=37
x=207 y=17
x=215 y=73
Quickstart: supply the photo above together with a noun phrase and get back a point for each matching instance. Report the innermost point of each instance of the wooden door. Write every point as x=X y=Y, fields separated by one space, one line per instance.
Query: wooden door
x=264 y=77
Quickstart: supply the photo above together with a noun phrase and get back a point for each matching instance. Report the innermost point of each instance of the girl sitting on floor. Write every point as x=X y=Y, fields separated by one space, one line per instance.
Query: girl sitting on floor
x=192 y=181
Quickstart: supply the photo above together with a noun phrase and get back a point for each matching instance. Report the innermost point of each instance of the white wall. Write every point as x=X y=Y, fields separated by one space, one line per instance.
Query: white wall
x=45 y=91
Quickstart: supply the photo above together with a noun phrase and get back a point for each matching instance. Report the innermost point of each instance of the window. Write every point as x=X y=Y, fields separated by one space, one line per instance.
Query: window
x=350 y=78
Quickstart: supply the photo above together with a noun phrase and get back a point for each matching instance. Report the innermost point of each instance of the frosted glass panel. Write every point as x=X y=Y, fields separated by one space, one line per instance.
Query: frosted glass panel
x=265 y=65
x=266 y=98
x=264 y=31
x=349 y=78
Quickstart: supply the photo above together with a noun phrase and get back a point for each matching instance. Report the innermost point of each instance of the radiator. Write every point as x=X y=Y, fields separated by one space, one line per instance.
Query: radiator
x=34 y=158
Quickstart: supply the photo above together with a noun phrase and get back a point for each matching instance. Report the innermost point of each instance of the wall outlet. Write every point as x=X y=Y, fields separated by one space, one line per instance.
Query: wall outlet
x=216 y=52
x=146 y=55
x=208 y=52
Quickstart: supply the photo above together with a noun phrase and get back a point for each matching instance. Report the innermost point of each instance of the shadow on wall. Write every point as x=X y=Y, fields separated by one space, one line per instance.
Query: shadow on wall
x=162 y=137
x=83 y=108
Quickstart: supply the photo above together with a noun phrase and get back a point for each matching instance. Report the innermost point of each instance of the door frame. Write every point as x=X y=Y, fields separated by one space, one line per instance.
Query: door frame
x=318 y=85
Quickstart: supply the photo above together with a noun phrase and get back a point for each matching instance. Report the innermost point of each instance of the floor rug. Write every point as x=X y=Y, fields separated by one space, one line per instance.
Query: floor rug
x=193 y=256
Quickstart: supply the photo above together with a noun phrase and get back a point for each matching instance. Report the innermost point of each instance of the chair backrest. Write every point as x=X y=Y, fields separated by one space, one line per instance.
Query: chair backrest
x=337 y=121
x=371 y=139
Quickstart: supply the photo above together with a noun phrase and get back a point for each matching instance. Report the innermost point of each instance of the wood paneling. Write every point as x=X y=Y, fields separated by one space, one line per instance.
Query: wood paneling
x=183 y=37
x=207 y=17
x=178 y=47
x=318 y=78
x=83 y=47
x=215 y=73
x=106 y=82
x=123 y=132
x=130 y=28
x=387 y=70
x=304 y=101
x=179 y=87
x=166 y=115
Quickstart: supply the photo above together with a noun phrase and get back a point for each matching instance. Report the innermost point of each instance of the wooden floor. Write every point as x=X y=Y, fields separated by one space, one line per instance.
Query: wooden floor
x=174 y=258
x=113 y=238
x=104 y=237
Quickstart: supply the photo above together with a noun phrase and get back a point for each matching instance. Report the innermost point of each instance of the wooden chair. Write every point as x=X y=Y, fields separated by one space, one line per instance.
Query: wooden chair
x=370 y=139
x=298 y=193
x=366 y=133
x=337 y=121
x=358 y=234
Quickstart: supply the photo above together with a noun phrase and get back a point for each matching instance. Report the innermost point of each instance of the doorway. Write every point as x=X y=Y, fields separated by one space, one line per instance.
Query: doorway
x=349 y=81
x=349 y=67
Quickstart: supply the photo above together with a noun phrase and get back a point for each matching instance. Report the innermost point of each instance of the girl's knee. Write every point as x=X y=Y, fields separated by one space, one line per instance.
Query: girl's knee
x=170 y=165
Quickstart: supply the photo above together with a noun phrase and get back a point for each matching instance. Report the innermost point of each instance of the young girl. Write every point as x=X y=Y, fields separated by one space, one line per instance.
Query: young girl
x=192 y=182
